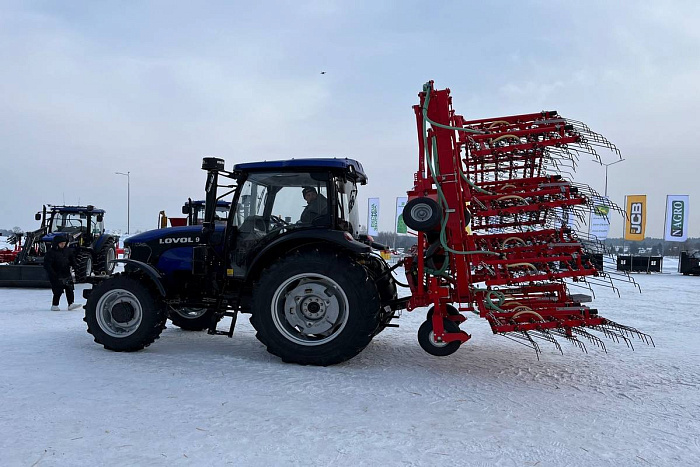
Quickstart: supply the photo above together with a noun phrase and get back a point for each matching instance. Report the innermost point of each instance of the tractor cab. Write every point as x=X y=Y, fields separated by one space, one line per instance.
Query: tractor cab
x=80 y=224
x=281 y=204
x=194 y=210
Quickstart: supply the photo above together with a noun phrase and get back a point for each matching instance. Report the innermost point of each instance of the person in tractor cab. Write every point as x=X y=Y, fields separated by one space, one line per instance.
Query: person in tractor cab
x=57 y=262
x=317 y=205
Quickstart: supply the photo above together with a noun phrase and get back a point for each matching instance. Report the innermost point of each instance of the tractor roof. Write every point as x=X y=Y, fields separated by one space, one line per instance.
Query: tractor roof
x=349 y=166
x=76 y=209
x=220 y=203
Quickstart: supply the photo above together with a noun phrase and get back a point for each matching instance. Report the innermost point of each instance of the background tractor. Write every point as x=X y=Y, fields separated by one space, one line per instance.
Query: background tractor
x=194 y=210
x=83 y=226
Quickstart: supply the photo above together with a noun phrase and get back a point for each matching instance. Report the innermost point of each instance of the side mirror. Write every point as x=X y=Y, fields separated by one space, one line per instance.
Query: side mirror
x=185 y=209
x=100 y=217
x=37 y=216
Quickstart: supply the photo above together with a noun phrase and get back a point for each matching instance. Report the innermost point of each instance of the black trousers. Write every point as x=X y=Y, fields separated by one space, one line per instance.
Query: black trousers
x=58 y=288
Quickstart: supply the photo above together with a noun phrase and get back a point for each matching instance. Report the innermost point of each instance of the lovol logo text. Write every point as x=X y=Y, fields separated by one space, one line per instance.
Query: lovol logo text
x=168 y=241
x=677 y=218
x=636 y=218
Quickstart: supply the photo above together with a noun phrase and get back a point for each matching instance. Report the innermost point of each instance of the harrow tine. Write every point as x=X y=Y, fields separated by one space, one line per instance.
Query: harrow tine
x=630 y=331
x=595 y=340
x=572 y=339
x=612 y=335
x=546 y=335
x=523 y=338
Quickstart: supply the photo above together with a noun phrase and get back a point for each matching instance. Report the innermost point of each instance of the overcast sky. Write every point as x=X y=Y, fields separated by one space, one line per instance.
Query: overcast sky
x=90 y=88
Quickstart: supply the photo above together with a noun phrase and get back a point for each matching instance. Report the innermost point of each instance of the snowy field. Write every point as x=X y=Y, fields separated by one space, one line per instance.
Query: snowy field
x=195 y=399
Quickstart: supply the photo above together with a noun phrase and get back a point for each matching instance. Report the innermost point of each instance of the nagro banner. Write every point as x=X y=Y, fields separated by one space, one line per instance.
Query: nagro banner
x=676 y=228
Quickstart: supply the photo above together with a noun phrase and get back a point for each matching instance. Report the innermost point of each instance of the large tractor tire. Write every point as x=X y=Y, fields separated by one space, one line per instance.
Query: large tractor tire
x=191 y=319
x=83 y=266
x=386 y=286
x=124 y=315
x=315 y=308
x=107 y=254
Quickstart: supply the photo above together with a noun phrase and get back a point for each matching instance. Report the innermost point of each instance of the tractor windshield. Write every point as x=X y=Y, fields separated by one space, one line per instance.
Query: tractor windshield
x=269 y=201
x=69 y=222
x=220 y=214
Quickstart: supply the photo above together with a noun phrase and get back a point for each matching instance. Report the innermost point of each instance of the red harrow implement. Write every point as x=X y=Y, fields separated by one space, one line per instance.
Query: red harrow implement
x=498 y=227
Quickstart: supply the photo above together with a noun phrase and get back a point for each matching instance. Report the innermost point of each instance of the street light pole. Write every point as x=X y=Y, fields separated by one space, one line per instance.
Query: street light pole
x=606 y=174
x=128 y=198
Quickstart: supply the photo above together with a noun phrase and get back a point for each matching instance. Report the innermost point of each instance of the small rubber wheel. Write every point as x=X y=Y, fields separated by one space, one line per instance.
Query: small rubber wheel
x=451 y=311
x=422 y=214
x=439 y=349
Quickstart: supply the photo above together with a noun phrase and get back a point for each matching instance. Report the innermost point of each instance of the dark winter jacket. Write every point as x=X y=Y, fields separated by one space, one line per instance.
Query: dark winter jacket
x=58 y=261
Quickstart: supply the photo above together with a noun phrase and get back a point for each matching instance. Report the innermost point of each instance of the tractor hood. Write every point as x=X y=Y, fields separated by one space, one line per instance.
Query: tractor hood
x=48 y=238
x=185 y=235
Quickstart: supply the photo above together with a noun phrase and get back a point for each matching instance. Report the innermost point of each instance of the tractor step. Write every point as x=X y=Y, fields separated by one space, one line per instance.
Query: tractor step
x=234 y=317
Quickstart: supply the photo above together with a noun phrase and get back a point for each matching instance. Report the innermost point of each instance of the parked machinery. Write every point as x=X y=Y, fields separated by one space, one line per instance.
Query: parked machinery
x=497 y=236
x=83 y=227
x=496 y=222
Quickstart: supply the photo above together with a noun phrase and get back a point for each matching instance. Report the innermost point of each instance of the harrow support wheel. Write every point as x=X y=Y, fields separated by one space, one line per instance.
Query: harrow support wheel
x=422 y=214
x=439 y=349
x=451 y=311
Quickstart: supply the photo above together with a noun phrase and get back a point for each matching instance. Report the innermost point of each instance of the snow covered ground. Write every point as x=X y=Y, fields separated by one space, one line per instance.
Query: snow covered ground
x=195 y=399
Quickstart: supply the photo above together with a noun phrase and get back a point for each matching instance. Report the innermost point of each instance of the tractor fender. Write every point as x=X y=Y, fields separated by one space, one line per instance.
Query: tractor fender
x=295 y=240
x=100 y=241
x=149 y=270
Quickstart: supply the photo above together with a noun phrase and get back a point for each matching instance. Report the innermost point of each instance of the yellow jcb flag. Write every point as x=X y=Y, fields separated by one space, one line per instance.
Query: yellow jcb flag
x=636 y=217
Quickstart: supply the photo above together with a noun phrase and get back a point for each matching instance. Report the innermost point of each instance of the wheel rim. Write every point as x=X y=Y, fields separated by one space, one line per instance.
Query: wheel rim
x=431 y=339
x=119 y=313
x=421 y=212
x=111 y=255
x=190 y=313
x=310 y=309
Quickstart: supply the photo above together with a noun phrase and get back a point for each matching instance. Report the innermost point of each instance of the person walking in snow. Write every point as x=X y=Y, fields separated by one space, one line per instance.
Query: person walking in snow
x=57 y=262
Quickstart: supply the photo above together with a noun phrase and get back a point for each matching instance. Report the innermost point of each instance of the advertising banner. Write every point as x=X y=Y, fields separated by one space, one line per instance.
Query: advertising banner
x=373 y=216
x=676 y=229
x=636 y=206
x=400 y=224
x=600 y=220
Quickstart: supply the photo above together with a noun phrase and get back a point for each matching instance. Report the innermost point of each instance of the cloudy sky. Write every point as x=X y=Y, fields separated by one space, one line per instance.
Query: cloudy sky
x=90 y=88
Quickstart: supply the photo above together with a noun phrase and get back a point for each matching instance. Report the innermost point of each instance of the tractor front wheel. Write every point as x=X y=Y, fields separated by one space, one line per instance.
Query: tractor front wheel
x=124 y=315
x=315 y=308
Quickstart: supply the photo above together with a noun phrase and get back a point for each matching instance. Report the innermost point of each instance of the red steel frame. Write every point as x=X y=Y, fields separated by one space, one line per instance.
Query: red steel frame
x=490 y=175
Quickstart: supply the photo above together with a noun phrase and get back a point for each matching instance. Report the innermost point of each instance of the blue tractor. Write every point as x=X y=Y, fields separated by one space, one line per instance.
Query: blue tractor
x=83 y=227
x=290 y=254
x=194 y=210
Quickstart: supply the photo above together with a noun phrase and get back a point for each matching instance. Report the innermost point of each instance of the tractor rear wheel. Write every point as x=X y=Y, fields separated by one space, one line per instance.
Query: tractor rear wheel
x=315 y=308
x=107 y=254
x=124 y=315
x=191 y=319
